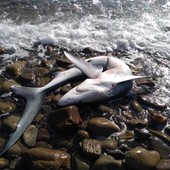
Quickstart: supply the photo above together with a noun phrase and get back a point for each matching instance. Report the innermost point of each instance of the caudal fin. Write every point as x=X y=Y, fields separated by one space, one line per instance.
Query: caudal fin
x=34 y=99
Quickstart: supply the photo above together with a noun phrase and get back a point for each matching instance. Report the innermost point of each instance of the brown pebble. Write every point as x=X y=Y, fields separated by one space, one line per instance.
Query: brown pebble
x=102 y=126
x=164 y=164
x=3 y=163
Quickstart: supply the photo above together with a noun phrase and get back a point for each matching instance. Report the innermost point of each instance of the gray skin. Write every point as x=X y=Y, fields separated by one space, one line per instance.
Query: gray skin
x=35 y=97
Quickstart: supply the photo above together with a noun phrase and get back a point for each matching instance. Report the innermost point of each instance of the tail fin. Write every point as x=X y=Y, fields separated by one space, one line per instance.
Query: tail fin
x=35 y=98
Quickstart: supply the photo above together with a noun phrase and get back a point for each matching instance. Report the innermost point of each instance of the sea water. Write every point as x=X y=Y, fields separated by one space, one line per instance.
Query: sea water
x=138 y=27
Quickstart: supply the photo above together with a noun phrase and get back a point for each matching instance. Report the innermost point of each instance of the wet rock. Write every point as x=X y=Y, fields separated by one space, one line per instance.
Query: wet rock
x=145 y=81
x=167 y=130
x=107 y=109
x=116 y=153
x=161 y=135
x=63 y=61
x=141 y=159
x=164 y=164
x=54 y=98
x=17 y=149
x=3 y=163
x=102 y=127
x=109 y=144
x=152 y=102
x=7 y=84
x=91 y=147
x=46 y=159
x=82 y=134
x=43 y=134
x=156 y=120
x=107 y=162
x=142 y=134
x=27 y=79
x=66 y=119
x=16 y=68
x=159 y=146
x=49 y=63
x=7 y=107
x=127 y=135
x=10 y=123
x=40 y=71
x=30 y=136
x=88 y=50
x=136 y=123
x=2 y=140
x=80 y=162
x=43 y=81
x=136 y=106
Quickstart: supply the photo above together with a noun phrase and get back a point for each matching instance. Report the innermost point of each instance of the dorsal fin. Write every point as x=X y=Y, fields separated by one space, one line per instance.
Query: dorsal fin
x=88 y=69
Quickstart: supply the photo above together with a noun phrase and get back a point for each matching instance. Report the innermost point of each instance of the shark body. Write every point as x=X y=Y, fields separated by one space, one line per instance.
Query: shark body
x=109 y=77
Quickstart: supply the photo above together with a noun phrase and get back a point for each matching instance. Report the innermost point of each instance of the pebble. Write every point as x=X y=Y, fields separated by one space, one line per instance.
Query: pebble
x=27 y=79
x=43 y=134
x=144 y=81
x=16 y=68
x=142 y=134
x=7 y=107
x=152 y=102
x=66 y=119
x=156 y=120
x=109 y=144
x=167 y=130
x=3 y=163
x=161 y=135
x=30 y=136
x=7 y=84
x=136 y=106
x=10 y=123
x=107 y=162
x=136 y=123
x=80 y=162
x=17 y=149
x=91 y=147
x=141 y=159
x=43 y=158
x=15 y=163
x=102 y=127
x=159 y=146
x=164 y=164
x=127 y=135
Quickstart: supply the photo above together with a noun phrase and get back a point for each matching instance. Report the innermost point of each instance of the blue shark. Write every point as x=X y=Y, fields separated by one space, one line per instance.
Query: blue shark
x=107 y=77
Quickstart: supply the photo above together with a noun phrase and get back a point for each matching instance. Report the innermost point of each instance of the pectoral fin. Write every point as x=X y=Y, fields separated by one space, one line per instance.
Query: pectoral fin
x=88 y=69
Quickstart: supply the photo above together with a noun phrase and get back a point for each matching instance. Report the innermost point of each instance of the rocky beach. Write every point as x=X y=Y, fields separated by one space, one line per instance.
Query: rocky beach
x=130 y=133
x=83 y=136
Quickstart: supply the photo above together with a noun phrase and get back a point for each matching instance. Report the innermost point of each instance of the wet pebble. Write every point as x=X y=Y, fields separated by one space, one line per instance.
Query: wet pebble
x=107 y=162
x=79 y=161
x=7 y=107
x=16 y=68
x=109 y=144
x=43 y=134
x=7 y=84
x=91 y=147
x=137 y=158
x=167 y=130
x=3 y=163
x=145 y=81
x=10 y=123
x=136 y=123
x=27 y=79
x=157 y=120
x=30 y=136
x=161 y=135
x=43 y=158
x=142 y=134
x=102 y=127
x=66 y=119
x=159 y=146
x=152 y=101
x=164 y=164
x=136 y=106
x=15 y=163
x=17 y=149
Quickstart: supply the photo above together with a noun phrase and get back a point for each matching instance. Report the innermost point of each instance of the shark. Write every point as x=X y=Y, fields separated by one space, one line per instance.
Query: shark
x=107 y=77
